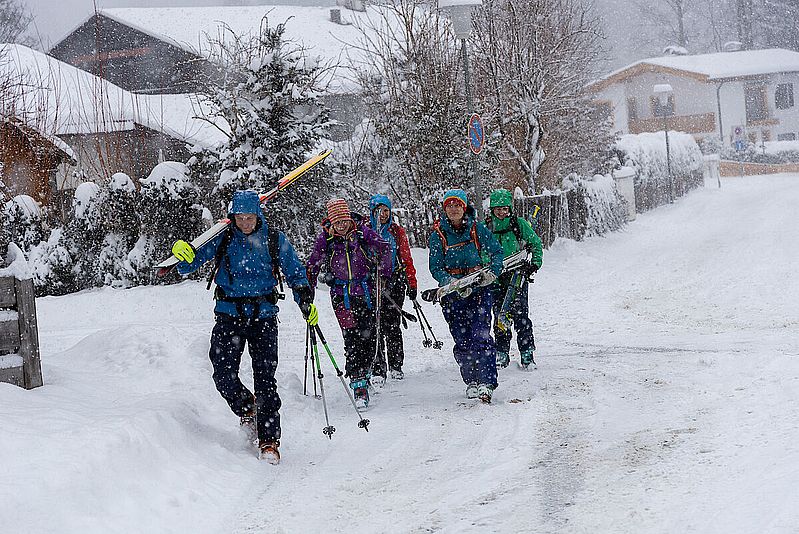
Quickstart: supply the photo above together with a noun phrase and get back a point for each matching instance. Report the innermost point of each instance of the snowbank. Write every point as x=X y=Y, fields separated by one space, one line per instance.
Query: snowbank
x=17 y=266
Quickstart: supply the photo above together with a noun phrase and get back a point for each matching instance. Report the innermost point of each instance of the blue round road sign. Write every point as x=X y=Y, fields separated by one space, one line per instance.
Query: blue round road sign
x=476 y=133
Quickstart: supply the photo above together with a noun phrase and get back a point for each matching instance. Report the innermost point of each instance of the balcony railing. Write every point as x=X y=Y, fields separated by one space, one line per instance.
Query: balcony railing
x=702 y=123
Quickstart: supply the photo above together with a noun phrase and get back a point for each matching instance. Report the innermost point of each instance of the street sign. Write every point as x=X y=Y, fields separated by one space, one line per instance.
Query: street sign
x=476 y=133
x=740 y=145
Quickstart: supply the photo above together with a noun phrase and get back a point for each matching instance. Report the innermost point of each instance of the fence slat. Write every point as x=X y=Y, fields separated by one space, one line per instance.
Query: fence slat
x=12 y=375
x=9 y=336
x=28 y=334
x=7 y=292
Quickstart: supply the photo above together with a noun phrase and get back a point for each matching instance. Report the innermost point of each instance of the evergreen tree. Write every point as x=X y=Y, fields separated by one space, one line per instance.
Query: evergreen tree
x=267 y=96
x=121 y=222
x=84 y=233
x=168 y=211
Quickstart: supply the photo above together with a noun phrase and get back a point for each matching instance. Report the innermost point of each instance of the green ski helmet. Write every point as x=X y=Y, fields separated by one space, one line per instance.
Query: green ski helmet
x=501 y=198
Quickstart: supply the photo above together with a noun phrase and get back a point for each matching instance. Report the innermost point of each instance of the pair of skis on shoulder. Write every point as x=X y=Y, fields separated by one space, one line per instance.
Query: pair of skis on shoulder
x=464 y=286
x=168 y=264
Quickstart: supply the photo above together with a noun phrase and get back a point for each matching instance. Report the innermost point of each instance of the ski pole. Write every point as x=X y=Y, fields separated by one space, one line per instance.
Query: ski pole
x=436 y=343
x=378 y=334
x=329 y=429
x=305 y=375
x=403 y=314
x=362 y=423
x=427 y=341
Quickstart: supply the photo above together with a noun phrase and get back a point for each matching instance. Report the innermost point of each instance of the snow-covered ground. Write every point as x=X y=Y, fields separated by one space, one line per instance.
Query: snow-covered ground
x=666 y=400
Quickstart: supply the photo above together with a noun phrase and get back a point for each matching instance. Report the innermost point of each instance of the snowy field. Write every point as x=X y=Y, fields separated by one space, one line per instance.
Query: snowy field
x=666 y=400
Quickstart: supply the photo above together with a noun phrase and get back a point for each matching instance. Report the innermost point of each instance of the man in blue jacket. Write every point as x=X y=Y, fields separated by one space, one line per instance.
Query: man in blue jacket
x=247 y=256
x=457 y=244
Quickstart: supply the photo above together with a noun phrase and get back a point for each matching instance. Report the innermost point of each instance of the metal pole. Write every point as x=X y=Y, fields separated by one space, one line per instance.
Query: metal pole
x=668 y=157
x=718 y=105
x=473 y=166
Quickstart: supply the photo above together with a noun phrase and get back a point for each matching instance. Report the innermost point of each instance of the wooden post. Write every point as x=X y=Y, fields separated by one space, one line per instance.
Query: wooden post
x=20 y=336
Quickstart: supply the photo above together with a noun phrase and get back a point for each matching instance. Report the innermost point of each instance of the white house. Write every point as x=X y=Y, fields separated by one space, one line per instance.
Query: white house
x=746 y=95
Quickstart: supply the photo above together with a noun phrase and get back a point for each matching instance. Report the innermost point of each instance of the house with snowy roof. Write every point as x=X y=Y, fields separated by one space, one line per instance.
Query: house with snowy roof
x=165 y=50
x=104 y=128
x=741 y=95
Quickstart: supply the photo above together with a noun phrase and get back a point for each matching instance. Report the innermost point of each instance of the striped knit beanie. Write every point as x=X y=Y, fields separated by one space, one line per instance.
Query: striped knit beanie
x=338 y=210
x=455 y=195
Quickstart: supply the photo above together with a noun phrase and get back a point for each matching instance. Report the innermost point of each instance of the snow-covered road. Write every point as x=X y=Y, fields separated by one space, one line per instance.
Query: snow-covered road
x=666 y=400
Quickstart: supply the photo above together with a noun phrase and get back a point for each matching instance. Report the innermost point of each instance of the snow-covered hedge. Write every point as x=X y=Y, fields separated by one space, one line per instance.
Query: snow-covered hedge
x=598 y=209
x=770 y=152
x=646 y=153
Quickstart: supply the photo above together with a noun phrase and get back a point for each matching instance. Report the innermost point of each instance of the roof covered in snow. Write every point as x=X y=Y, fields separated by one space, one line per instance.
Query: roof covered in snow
x=311 y=28
x=56 y=98
x=711 y=67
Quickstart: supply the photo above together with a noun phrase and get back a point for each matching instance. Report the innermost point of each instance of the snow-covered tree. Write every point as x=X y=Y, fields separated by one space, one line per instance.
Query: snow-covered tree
x=121 y=225
x=267 y=94
x=23 y=223
x=535 y=57
x=84 y=233
x=780 y=26
x=414 y=142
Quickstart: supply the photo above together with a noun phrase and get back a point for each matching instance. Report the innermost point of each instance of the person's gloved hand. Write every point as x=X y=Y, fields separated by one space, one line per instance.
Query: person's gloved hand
x=487 y=278
x=412 y=293
x=327 y=278
x=310 y=313
x=183 y=251
x=533 y=268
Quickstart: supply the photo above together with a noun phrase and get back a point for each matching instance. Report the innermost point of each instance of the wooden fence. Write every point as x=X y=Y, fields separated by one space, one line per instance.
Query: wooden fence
x=559 y=216
x=19 y=335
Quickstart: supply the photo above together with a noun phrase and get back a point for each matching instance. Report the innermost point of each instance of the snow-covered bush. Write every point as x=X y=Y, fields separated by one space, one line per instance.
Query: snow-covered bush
x=84 y=233
x=168 y=211
x=53 y=265
x=23 y=223
x=646 y=153
x=121 y=222
x=599 y=208
x=770 y=152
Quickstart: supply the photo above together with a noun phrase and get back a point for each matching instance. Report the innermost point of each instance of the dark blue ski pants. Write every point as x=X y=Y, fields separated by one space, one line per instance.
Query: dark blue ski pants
x=519 y=312
x=469 y=322
x=227 y=345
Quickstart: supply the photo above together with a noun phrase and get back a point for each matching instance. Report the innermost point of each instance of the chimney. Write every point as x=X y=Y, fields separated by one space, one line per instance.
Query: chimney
x=335 y=16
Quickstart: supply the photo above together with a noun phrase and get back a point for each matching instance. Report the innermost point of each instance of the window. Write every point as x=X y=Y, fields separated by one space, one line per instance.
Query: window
x=755 y=99
x=661 y=110
x=783 y=96
x=786 y=137
x=632 y=109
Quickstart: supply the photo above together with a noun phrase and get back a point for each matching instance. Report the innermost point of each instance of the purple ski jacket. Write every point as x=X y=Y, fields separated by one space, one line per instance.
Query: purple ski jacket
x=349 y=259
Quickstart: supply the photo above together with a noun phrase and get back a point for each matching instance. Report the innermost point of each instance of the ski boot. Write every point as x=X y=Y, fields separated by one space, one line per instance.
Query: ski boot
x=503 y=359
x=484 y=392
x=360 y=389
x=377 y=382
x=397 y=374
x=471 y=391
x=268 y=451
x=528 y=360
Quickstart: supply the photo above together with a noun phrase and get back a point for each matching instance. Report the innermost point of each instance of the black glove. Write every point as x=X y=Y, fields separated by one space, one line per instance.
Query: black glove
x=411 y=293
x=533 y=268
x=306 y=294
x=327 y=278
